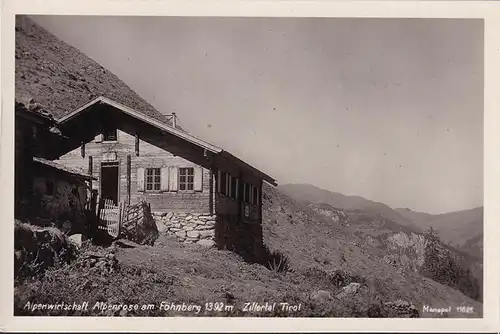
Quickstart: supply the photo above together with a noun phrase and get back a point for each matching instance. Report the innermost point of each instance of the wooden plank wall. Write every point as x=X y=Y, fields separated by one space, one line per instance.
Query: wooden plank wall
x=149 y=156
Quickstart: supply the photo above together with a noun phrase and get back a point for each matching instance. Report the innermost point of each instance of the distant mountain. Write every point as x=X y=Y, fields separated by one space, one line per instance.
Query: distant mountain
x=399 y=234
x=312 y=194
x=363 y=245
x=460 y=229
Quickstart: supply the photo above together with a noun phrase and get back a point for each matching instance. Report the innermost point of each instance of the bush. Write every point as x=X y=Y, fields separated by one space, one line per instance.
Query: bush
x=275 y=260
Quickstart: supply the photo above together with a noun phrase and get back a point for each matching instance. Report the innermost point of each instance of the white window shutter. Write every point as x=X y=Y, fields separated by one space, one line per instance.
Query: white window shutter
x=140 y=179
x=98 y=138
x=164 y=179
x=219 y=175
x=173 y=178
x=198 y=178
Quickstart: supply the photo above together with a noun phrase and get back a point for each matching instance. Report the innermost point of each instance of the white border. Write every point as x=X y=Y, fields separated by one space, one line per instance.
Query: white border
x=489 y=11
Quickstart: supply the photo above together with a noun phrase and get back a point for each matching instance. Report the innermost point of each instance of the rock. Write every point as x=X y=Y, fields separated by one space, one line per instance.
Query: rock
x=188 y=218
x=161 y=227
x=400 y=309
x=206 y=243
x=199 y=222
x=349 y=290
x=170 y=215
x=188 y=228
x=207 y=233
x=204 y=227
x=76 y=239
x=111 y=256
x=181 y=234
x=321 y=296
x=193 y=234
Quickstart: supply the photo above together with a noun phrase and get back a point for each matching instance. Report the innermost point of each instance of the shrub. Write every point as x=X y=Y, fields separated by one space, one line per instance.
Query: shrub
x=275 y=260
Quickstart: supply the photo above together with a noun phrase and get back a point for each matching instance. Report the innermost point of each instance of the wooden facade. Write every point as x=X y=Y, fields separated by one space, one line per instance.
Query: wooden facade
x=136 y=158
x=167 y=167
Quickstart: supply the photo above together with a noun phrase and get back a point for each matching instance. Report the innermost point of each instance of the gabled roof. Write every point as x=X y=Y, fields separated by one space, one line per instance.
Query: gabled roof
x=167 y=128
x=145 y=118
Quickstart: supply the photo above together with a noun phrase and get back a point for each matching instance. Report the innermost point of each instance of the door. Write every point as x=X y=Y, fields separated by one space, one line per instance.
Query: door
x=109 y=181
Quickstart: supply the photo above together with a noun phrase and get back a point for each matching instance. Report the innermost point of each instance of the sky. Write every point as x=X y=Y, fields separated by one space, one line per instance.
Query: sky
x=387 y=109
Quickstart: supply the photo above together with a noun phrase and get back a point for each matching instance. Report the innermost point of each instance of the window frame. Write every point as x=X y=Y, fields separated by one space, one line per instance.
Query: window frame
x=233 y=187
x=223 y=183
x=255 y=195
x=186 y=183
x=247 y=192
x=155 y=179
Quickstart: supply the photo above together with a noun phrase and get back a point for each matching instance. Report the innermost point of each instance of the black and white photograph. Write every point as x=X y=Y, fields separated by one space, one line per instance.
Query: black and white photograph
x=256 y=167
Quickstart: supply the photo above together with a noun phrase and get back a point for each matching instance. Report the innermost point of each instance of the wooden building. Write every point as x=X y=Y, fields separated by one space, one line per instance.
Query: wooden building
x=46 y=193
x=136 y=157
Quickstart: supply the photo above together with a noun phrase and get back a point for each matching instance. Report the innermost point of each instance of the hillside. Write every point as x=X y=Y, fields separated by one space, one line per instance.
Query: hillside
x=310 y=238
x=461 y=229
x=404 y=246
x=60 y=78
x=333 y=273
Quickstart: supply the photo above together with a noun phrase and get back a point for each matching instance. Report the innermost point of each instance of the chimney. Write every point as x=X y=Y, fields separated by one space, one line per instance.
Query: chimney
x=174 y=120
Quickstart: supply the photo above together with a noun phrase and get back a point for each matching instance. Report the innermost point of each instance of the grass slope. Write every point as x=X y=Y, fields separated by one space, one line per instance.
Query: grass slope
x=323 y=257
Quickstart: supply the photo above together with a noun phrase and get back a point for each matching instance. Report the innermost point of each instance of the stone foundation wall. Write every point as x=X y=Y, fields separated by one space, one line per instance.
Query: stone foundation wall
x=187 y=227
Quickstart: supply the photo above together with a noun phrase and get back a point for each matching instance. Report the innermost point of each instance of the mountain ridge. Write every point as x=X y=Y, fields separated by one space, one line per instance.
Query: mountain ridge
x=462 y=229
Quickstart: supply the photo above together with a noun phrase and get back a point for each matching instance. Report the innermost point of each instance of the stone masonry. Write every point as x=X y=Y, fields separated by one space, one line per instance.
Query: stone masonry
x=189 y=228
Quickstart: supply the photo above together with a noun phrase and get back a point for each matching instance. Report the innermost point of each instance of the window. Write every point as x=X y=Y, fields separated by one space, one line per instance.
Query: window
x=109 y=132
x=223 y=183
x=246 y=193
x=255 y=196
x=153 y=177
x=233 y=187
x=186 y=178
x=49 y=187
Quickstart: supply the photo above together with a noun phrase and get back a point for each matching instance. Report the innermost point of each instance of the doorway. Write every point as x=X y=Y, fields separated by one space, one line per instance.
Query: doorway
x=109 y=181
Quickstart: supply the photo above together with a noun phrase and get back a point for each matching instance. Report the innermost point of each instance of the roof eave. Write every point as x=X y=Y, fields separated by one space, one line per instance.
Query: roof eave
x=261 y=174
x=147 y=119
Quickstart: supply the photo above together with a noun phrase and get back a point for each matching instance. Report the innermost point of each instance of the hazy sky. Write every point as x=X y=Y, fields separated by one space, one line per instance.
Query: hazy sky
x=387 y=109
